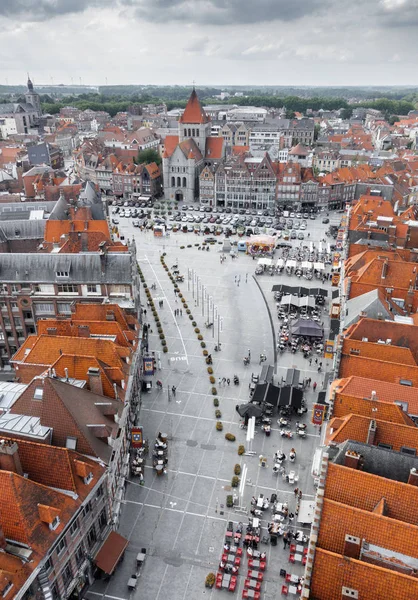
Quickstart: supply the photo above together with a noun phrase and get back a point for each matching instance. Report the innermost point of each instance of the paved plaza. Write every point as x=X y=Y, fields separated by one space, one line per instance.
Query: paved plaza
x=181 y=517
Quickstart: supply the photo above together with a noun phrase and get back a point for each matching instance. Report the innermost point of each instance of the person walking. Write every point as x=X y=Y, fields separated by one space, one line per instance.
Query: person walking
x=181 y=312
x=314 y=385
x=246 y=277
x=228 y=381
x=310 y=361
x=173 y=389
x=296 y=491
x=285 y=540
x=249 y=353
x=219 y=382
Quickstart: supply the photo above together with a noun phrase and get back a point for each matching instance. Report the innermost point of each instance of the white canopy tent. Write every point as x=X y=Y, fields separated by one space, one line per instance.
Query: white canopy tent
x=319 y=266
x=280 y=263
x=290 y=264
x=267 y=262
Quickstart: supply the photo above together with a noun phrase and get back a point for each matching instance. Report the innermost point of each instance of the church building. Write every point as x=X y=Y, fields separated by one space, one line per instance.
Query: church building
x=32 y=97
x=187 y=154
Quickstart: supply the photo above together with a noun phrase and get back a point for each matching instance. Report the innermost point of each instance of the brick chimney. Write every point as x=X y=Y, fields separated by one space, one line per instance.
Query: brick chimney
x=352 y=460
x=51 y=331
x=110 y=315
x=9 y=457
x=84 y=331
x=349 y=594
x=95 y=380
x=413 y=477
x=371 y=434
x=352 y=546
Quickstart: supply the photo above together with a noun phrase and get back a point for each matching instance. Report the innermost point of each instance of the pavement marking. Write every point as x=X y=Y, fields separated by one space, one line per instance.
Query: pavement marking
x=169 y=306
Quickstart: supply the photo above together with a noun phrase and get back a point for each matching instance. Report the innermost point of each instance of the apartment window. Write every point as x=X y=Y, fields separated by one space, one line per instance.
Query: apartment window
x=79 y=555
x=67 y=288
x=93 y=289
x=17 y=322
x=15 y=288
x=62 y=544
x=103 y=519
x=91 y=537
x=48 y=564
x=44 y=308
x=99 y=492
x=67 y=575
x=87 y=509
x=54 y=592
x=14 y=306
x=64 y=308
x=74 y=528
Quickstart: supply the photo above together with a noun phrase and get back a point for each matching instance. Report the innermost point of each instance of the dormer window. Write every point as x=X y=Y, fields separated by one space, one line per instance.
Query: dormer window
x=38 y=394
x=62 y=274
x=54 y=523
x=88 y=479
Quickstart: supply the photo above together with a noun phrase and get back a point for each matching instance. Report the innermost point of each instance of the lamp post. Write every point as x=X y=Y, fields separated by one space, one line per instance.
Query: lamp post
x=204 y=294
x=215 y=316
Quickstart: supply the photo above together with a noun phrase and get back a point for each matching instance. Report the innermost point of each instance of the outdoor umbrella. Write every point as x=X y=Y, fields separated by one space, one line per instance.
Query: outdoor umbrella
x=249 y=410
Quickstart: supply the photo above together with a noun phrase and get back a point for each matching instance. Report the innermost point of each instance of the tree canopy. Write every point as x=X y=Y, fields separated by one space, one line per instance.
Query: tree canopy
x=145 y=157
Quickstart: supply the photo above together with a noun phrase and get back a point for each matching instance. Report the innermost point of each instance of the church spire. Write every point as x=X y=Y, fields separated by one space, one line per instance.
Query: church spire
x=30 y=84
x=194 y=113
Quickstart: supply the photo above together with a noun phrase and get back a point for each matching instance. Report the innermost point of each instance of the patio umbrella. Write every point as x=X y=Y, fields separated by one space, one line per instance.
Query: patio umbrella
x=249 y=410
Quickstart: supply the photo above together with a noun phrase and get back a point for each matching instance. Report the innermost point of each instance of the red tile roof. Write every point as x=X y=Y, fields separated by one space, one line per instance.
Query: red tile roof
x=170 y=144
x=194 y=113
x=214 y=147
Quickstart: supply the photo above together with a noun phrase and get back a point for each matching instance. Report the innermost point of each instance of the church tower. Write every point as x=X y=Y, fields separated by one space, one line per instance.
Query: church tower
x=33 y=98
x=194 y=123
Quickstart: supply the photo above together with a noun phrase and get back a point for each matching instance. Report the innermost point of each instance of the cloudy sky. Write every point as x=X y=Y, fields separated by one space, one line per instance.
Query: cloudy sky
x=237 y=42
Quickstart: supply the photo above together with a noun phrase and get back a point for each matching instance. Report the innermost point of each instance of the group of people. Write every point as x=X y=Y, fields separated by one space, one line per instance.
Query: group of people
x=178 y=312
x=222 y=380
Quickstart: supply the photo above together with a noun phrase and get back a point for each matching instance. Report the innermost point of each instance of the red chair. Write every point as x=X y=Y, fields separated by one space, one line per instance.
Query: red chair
x=285 y=590
x=305 y=551
x=256 y=595
x=224 y=557
x=232 y=584
x=237 y=562
x=292 y=548
x=288 y=577
x=291 y=558
x=238 y=552
x=304 y=560
x=219 y=577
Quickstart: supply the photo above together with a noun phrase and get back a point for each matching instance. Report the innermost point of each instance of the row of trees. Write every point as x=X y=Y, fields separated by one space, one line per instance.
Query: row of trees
x=116 y=103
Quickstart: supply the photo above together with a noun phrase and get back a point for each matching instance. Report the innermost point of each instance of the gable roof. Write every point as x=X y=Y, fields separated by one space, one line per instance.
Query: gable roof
x=214 y=147
x=70 y=411
x=194 y=113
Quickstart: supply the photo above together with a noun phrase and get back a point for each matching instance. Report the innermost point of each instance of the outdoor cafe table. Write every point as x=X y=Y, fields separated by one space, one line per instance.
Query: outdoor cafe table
x=252 y=583
x=252 y=594
x=260 y=502
x=294 y=578
x=140 y=558
x=255 y=575
x=260 y=564
x=293 y=589
x=300 y=548
x=298 y=557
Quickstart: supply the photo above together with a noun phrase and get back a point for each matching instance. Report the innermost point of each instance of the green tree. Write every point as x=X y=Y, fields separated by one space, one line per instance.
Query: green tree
x=317 y=130
x=393 y=119
x=145 y=157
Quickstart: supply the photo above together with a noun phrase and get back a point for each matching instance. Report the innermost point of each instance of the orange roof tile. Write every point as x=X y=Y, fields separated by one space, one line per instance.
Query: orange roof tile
x=332 y=572
x=214 y=147
x=170 y=144
x=194 y=113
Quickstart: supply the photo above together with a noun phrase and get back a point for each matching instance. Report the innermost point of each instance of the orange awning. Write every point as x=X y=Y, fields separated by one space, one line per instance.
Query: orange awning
x=110 y=553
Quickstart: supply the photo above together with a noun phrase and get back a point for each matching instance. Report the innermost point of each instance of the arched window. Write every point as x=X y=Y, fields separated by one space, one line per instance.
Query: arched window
x=193 y=132
x=189 y=133
x=184 y=182
x=178 y=181
x=197 y=132
x=185 y=132
x=173 y=182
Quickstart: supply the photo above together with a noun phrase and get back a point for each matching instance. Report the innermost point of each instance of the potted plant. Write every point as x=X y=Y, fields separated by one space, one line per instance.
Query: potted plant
x=215 y=402
x=219 y=426
x=230 y=501
x=218 y=414
x=235 y=481
x=210 y=580
x=241 y=449
x=237 y=469
x=230 y=437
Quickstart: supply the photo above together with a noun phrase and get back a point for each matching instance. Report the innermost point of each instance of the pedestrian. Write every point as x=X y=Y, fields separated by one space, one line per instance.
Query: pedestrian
x=296 y=491
x=310 y=361
x=300 y=495
x=228 y=381
x=309 y=382
x=181 y=312
x=145 y=312
x=249 y=353
x=223 y=381
x=320 y=364
x=235 y=279
x=285 y=540
x=314 y=385
x=319 y=369
x=246 y=277
x=316 y=361
x=219 y=382
x=173 y=389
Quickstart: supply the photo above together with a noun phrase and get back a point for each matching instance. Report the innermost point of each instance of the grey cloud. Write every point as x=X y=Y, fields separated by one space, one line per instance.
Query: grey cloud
x=40 y=10
x=225 y=12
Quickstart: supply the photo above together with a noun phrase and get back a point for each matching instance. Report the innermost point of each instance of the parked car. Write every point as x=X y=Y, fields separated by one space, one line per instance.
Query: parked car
x=325 y=221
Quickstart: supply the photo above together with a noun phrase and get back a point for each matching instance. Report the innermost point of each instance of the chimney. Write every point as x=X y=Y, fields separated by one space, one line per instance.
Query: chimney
x=84 y=242
x=95 y=380
x=349 y=594
x=371 y=434
x=9 y=457
x=84 y=331
x=110 y=315
x=413 y=477
x=66 y=373
x=351 y=547
x=352 y=460
x=51 y=331
x=385 y=269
